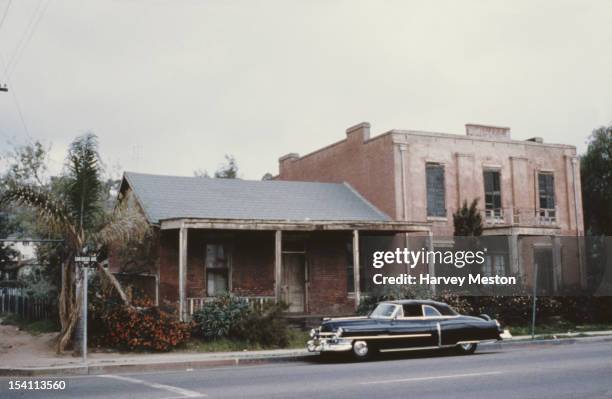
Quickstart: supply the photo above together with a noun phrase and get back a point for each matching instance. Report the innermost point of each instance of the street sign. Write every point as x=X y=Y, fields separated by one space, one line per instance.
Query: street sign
x=85 y=259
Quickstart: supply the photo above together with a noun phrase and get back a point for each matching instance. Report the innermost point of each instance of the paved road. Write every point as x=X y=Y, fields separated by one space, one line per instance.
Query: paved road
x=582 y=370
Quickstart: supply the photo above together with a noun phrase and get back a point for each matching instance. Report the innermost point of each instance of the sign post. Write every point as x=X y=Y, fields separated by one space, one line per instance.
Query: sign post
x=84 y=261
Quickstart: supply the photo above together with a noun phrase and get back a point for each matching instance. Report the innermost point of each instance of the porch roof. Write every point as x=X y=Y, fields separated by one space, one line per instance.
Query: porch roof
x=168 y=200
x=289 y=225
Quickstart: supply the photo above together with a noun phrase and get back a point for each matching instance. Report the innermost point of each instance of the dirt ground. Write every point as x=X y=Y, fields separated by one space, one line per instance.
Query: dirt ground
x=20 y=348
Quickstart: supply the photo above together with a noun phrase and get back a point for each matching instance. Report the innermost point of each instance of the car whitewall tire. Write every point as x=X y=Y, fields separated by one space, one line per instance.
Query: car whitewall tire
x=467 y=349
x=361 y=351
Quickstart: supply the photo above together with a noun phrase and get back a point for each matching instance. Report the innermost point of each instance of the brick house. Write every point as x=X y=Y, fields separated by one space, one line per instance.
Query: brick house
x=296 y=242
x=529 y=191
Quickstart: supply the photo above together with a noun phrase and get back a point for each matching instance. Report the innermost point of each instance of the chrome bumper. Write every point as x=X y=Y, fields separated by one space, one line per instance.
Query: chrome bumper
x=329 y=345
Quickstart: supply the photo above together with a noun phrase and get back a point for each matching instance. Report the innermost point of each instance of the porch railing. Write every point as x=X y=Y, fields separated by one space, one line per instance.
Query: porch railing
x=254 y=302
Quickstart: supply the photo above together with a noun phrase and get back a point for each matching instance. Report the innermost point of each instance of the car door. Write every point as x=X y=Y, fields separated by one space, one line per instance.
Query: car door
x=411 y=330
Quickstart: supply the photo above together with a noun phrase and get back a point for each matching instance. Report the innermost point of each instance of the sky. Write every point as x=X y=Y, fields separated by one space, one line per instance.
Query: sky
x=171 y=86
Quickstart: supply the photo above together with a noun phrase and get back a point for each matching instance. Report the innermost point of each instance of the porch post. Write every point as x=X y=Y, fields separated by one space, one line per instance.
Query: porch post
x=356 y=287
x=277 y=264
x=513 y=257
x=182 y=272
x=431 y=267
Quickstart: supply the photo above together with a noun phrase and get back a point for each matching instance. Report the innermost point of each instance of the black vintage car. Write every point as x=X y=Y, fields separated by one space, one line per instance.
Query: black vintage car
x=405 y=325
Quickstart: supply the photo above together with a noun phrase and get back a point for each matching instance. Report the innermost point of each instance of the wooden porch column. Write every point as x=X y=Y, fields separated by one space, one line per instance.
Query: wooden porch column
x=182 y=273
x=356 y=286
x=278 y=237
x=431 y=267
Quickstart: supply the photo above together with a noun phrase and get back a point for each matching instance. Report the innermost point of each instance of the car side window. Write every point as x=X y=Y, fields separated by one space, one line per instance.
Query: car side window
x=430 y=311
x=412 y=311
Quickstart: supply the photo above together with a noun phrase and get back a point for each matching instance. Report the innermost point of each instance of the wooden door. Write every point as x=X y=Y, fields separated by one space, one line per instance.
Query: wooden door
x=294 y=281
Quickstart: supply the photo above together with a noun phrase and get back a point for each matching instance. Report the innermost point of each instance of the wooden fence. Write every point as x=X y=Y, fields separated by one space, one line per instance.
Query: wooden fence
x=13 y=300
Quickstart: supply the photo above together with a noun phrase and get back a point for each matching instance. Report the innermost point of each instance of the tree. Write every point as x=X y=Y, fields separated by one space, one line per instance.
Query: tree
x=229 y=170
x=467 y=220
x=75 y=211
x=24 y=163
x=596 y=178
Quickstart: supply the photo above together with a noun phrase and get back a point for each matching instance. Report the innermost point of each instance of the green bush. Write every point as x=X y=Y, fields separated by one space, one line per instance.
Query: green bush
x=220 y=317
x=265 y=327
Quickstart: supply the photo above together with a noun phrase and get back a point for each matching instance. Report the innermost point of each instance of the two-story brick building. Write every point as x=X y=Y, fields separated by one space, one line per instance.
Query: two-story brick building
x=529 y=191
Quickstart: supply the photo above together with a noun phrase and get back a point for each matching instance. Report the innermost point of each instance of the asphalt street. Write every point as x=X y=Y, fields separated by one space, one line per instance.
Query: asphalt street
x=581 y=370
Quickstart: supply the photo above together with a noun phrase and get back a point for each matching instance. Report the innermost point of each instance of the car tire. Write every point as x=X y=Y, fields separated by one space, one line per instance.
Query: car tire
x=466 y=349
x=361 y=351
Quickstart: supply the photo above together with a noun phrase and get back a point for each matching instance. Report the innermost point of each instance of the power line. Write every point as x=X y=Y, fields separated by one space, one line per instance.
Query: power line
x=27 y=36
x=17 y=105
x=6 y=10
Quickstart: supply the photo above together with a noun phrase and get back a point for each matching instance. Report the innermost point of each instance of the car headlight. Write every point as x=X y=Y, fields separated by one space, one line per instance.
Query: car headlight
x=339 y=332
x=312 y=333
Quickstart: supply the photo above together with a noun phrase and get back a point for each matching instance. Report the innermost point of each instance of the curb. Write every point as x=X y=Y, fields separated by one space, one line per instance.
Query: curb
x=552 y=341
x=143 y=367
x=244 y=361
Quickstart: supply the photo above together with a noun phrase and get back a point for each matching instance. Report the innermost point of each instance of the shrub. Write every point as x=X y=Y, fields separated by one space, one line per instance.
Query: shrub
x=219 y=317
x=141 y=328
x=265 y=327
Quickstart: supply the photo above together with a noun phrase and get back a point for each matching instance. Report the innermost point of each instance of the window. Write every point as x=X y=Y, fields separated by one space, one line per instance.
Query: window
x=492 y=189
x=546 y=184
x=413 y=310
x=494 y=265
x=436 y=205
x=383 y=310
x=217 y=270
x=430 y=311
x=446 y=310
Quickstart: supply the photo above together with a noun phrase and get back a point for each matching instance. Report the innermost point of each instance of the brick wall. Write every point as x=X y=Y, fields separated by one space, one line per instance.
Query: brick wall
x=327 y=264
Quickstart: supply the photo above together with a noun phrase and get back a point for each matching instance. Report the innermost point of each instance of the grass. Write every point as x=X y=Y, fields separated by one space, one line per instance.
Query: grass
x=33 y=327
x=297 y=340
x=559 y=328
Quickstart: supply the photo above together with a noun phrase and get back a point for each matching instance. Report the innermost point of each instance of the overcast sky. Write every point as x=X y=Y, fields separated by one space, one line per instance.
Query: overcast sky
x=172 y=86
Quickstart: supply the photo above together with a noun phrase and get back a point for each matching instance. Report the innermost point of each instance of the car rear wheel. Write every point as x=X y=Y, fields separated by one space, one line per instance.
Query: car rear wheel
x=361 y=351
x=467 y=349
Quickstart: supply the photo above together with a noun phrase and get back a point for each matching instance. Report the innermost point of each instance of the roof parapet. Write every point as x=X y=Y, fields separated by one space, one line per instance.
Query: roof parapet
x=360 y=130
x=494 y=132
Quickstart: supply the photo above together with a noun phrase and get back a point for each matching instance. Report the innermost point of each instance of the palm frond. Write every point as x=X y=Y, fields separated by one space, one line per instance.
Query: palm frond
x=54 y=213
x=124 y=225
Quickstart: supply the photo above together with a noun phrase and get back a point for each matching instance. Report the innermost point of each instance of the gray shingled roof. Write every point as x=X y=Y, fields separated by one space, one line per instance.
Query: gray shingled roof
x=170 y=197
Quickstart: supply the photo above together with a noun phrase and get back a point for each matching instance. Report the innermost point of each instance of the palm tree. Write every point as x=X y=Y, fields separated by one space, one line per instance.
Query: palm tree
x=76 y=212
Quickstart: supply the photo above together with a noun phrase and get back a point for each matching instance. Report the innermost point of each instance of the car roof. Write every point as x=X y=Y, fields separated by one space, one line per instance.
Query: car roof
x=417 y=302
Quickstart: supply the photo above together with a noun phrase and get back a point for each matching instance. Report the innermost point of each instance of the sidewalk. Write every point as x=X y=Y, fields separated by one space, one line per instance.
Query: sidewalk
x=101 y=363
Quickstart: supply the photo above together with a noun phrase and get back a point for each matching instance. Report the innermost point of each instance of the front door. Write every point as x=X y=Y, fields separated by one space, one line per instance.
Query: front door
x=294 y=281
x=545 y=277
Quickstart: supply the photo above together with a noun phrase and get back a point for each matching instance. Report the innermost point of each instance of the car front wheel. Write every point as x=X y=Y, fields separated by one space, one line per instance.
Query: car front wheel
x=361 y=351
x=466 y=349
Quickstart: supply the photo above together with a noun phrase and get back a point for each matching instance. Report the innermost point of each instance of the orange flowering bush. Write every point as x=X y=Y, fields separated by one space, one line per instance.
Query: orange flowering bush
x=144 y=327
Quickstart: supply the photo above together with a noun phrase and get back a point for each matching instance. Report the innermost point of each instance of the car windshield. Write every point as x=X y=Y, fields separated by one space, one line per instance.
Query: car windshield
x=383 y=310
